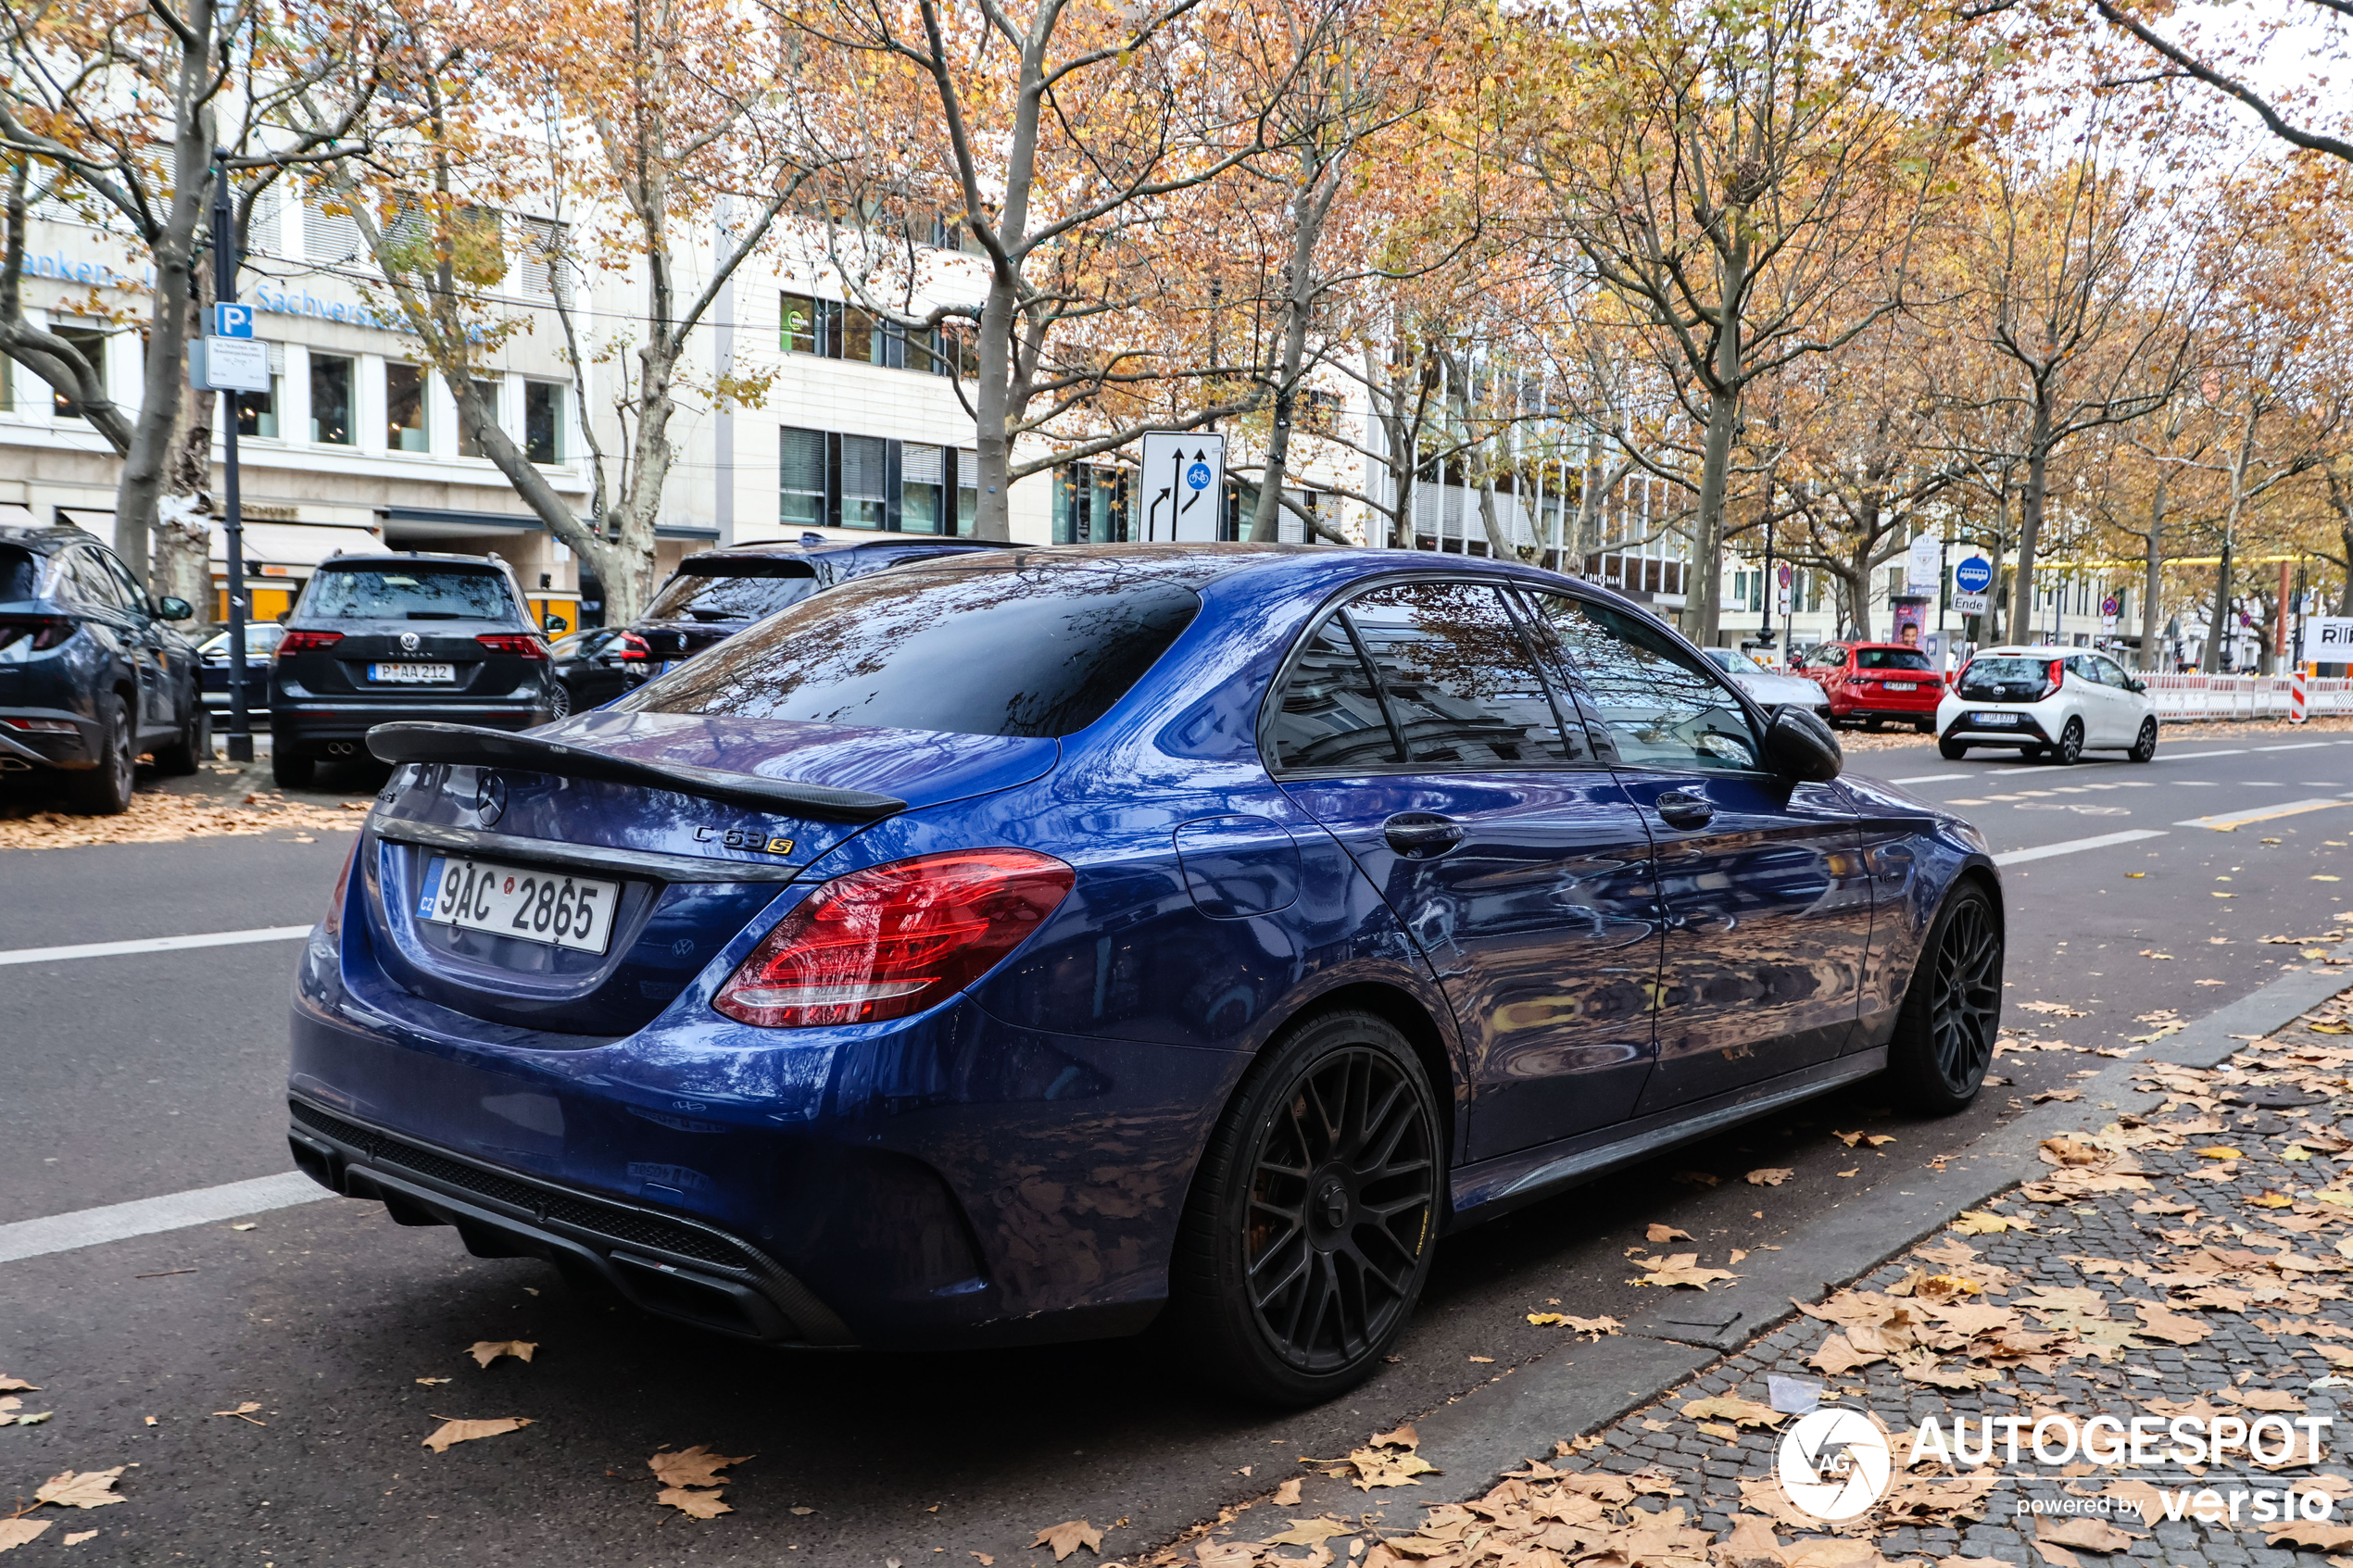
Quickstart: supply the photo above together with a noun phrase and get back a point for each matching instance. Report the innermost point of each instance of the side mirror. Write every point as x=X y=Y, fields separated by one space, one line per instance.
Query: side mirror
x=175 y=610
x=1798 y=744
x=557 y=626
x=284 y=616
x=2136 y=685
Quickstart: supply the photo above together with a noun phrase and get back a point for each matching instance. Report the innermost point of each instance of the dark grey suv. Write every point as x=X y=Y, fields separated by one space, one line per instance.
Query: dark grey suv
x=380 y=637
x=89 y=676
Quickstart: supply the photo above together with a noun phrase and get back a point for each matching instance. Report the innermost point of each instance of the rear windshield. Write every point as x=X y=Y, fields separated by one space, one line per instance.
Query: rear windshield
x=732 y=590
x=19 y=573
x=1889 y=658
x=987 y=653
x=407 y=593
x=2006 y=673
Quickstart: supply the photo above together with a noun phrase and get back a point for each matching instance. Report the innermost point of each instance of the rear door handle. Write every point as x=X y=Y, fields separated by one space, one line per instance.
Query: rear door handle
x=1680 y=809
x=1421 y=834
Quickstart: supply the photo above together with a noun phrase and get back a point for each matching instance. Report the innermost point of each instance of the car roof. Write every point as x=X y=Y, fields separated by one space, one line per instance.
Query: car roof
x=404 y=558
x=45 y=538
x=2046 y=650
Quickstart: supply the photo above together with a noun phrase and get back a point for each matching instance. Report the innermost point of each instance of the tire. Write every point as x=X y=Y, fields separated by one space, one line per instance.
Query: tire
x=2145 y=746
x=1951 y=750
x=2070 y=749
x=2030 y=753
x=193 y=747
x=1352 y=1251
x=1871 y=726
x=559 y=701
x=1944 y=1039
x=105 y=790
x=292 y=769
x=1924 y=726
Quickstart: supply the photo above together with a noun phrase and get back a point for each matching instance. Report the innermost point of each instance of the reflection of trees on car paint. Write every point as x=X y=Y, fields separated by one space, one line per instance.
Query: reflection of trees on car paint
x=1658 y=702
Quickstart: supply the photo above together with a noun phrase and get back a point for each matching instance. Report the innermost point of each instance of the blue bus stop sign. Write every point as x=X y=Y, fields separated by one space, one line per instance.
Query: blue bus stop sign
x=1973 y=575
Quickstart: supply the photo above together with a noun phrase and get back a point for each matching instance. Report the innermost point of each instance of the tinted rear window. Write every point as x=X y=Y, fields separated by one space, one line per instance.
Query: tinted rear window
x=992 y=653
x=407 y=593
x=1889 y=658
x=19 y=573
x=732 y=590
x=2006 y=672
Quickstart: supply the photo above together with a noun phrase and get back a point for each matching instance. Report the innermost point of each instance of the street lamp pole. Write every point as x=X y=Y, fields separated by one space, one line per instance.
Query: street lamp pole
x=224 y=261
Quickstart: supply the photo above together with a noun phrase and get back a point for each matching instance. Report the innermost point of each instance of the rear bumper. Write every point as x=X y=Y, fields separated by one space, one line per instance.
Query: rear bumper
x=2027 y=731
x=305 y=720
x=944 y=1180
x=53 y=750
x=675 y=1267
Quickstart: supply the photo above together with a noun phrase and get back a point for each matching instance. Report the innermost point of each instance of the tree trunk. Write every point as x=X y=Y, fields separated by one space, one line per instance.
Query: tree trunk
x=992 y=408
x=184 y=515
x=1860 y=577
x=2030 y=518
x=1703 y=607
x=174 y=252
x=1299 y=297
x=2153 y=576
x=1499 y=546
x=2210 y=662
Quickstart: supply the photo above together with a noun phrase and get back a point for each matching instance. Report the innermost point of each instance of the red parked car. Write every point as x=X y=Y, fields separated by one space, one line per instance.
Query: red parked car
x=1873 y=683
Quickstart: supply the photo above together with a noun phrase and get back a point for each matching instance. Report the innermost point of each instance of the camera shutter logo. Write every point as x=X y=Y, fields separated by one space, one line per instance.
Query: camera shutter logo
x=1834 y=1463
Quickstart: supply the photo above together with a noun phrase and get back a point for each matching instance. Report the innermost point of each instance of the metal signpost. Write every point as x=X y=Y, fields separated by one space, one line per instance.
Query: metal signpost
x=1184 y=484
x=231 y=362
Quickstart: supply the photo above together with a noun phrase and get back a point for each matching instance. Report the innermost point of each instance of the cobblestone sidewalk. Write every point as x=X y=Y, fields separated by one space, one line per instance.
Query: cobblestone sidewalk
x=2185 y=1264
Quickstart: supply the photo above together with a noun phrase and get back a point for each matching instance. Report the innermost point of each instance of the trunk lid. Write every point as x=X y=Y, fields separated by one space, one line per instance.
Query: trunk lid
x=684 y=871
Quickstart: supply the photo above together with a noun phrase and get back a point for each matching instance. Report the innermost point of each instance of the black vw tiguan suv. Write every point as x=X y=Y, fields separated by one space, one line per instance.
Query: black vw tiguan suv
x=380 y=637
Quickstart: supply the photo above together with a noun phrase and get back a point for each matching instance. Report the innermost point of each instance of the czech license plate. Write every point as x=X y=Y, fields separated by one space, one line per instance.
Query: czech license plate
x=412 y=674
x=537 y=906
x=1992 y=718
x=1902 y=686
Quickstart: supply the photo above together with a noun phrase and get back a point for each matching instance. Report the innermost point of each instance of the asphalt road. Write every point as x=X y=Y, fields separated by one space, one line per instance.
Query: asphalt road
x=135 y=1075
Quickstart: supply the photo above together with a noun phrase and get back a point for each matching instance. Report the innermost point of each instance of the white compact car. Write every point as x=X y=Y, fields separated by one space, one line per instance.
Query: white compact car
x=1770 y=687
x=2049 y=702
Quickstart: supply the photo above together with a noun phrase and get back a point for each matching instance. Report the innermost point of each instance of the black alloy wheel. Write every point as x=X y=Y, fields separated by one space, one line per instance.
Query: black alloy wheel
x=1944 y=1040
x=2144 y=744
x=1308 y=1235
x=2070 y=749
x=105 y=790
x=192 y=747
x=559 y=700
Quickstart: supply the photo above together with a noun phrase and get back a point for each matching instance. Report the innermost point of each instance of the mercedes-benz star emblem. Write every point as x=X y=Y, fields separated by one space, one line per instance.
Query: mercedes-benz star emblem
x=490 y=797
x=408 y=642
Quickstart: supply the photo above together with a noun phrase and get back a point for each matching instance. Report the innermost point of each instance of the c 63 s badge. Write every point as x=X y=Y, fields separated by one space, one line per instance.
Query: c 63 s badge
x=752 y=839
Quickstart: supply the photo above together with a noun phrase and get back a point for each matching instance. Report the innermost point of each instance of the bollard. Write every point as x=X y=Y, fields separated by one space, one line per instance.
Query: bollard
x=2295 y=696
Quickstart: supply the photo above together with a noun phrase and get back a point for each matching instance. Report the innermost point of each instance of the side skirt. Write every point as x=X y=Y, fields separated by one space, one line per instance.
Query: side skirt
x=1497 y=1186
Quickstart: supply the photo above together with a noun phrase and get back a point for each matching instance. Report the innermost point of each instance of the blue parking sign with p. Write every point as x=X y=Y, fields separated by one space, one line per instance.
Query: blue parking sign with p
x=233 y=321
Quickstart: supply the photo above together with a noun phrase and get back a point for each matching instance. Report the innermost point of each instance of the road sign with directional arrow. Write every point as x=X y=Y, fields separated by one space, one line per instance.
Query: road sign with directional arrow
x=1184 y=488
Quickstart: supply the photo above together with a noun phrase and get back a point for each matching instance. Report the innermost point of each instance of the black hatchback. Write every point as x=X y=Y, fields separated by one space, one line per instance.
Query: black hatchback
x=89 y=676
x=381 y=637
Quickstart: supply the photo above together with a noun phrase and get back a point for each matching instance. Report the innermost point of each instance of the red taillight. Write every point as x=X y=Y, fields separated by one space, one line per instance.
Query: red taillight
x=894 y=939
x=2054 y=678
x=520 y=644
x=45 y=631
x=633 y=647
x=307 y=642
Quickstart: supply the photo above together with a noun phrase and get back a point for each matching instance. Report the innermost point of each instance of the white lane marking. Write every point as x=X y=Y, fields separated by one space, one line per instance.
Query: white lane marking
x=154 y=945
x=2200 y=756
x=2226 y=821
x=1931 y=778
x=2299 y=746
x=2045 y=851
x=147 y=1216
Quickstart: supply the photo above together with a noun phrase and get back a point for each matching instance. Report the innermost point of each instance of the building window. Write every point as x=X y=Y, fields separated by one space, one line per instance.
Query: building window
x=8 y=384
x=865 y=490
x=404 y=409
x=468 y=440
x=91 y=343
x=543 y=243
x=258 y=412
x=331 y=422
x=328 y=237
x=799 y=331
x=543 y=421
x=802 y=477
x=1090 y=504
x=922 y=474
x=967 y=492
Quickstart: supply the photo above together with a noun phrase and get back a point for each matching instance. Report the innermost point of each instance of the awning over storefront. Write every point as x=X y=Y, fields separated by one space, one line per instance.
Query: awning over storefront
x=294 y=544
x=15 y=514
x=404 y=524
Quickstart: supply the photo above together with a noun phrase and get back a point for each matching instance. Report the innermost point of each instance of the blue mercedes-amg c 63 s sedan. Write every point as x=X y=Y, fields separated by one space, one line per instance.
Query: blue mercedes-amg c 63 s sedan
x=1035 y=943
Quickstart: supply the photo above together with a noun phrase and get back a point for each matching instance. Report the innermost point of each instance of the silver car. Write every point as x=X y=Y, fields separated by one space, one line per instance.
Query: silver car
x=1770 y=689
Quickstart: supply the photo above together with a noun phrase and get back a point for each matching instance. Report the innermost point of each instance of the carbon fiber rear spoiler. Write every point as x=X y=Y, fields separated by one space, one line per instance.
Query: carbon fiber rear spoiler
x=471 y=745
